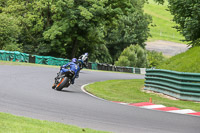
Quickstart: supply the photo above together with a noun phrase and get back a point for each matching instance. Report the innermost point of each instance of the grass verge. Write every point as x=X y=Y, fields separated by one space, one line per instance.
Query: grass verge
x=130 y=91
x=24 y=64
x=162 y=25
x=184 y=62
x=16 y=124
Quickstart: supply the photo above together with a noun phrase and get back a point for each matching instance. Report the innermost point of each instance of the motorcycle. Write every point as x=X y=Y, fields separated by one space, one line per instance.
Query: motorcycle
x=83 y=61
x=65 y=79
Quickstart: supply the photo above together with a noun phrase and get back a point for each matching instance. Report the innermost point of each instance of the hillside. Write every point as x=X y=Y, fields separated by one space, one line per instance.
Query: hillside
x=184 y=62
x=162 y=26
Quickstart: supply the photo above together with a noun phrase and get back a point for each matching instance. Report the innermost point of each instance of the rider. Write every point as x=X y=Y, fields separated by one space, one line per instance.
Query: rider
x=84 y=60
x=73 y=67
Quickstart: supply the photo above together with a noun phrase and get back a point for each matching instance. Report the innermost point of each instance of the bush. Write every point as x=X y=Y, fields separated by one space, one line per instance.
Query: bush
x=154 y=58
x=132 y=56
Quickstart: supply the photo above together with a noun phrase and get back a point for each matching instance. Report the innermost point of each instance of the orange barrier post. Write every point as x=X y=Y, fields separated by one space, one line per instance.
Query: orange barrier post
x=150 y=100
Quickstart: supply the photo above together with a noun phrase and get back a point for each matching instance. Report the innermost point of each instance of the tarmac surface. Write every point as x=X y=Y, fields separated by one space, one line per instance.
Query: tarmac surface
x=166 y=47
x=26 y=91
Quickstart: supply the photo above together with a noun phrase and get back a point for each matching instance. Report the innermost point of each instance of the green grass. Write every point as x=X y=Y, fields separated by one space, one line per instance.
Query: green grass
x=16 y=124
x=162 y=26
x=130 y=91
x=188 y=61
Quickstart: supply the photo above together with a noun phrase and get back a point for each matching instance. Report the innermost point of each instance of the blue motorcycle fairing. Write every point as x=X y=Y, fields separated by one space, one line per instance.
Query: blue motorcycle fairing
x=73 y=67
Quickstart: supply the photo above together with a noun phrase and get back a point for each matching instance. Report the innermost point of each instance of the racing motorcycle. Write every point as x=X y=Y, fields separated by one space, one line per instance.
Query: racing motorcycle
x=83 y=61
x=63 y=80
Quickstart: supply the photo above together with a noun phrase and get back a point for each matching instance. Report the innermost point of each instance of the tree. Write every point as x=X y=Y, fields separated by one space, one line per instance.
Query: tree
x=101 y=55
x=62 y=27
x=133 y=56
x=67 y=28
x=3 y=3
x=94 y=24
x=9 y=32
x=77 y=25
x=187 y=16
x=32 y=23
x=131 y=28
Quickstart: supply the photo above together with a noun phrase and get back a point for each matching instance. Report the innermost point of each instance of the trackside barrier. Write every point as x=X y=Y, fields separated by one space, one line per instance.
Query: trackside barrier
x=109 y=67
x=17 y=56
x=14 y=56
x=182 y=85
x=48 y=60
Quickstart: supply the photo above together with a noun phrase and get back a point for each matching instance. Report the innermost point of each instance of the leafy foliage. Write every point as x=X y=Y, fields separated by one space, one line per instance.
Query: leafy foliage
x=133 y=56
x=154 y=58
x=131 y=29
x=13 y=47
x=101 y=54
x=67 y=28
x=9 y=31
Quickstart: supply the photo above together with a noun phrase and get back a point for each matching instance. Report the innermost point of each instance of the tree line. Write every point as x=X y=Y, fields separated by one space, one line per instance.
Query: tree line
x=68 y=28
x=103 y=28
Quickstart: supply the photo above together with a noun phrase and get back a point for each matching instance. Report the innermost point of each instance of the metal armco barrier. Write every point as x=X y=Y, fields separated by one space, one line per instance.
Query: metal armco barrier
x=109 y=67
x=181 y=85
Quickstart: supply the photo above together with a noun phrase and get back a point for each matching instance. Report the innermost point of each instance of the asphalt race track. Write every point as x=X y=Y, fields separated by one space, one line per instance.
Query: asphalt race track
x=26 y=91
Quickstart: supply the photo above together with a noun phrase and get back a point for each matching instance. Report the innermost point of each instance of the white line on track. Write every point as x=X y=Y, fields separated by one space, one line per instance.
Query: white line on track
x=183 y=111
x=82 y=88
x=153 y=106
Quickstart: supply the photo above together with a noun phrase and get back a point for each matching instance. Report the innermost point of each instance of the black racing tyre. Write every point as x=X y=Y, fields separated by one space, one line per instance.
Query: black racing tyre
x=62 y=84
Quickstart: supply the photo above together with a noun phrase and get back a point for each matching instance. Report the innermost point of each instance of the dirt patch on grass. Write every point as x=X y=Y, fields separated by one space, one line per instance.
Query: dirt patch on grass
x=159 y=94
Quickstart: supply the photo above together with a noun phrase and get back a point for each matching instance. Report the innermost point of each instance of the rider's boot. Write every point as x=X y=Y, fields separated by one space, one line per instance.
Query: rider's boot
x=77 y=75
x=72 y=81
x=54 y=86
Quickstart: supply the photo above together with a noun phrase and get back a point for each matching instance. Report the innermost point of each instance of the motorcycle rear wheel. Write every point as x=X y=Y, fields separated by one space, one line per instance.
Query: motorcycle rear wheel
x=63 y=83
